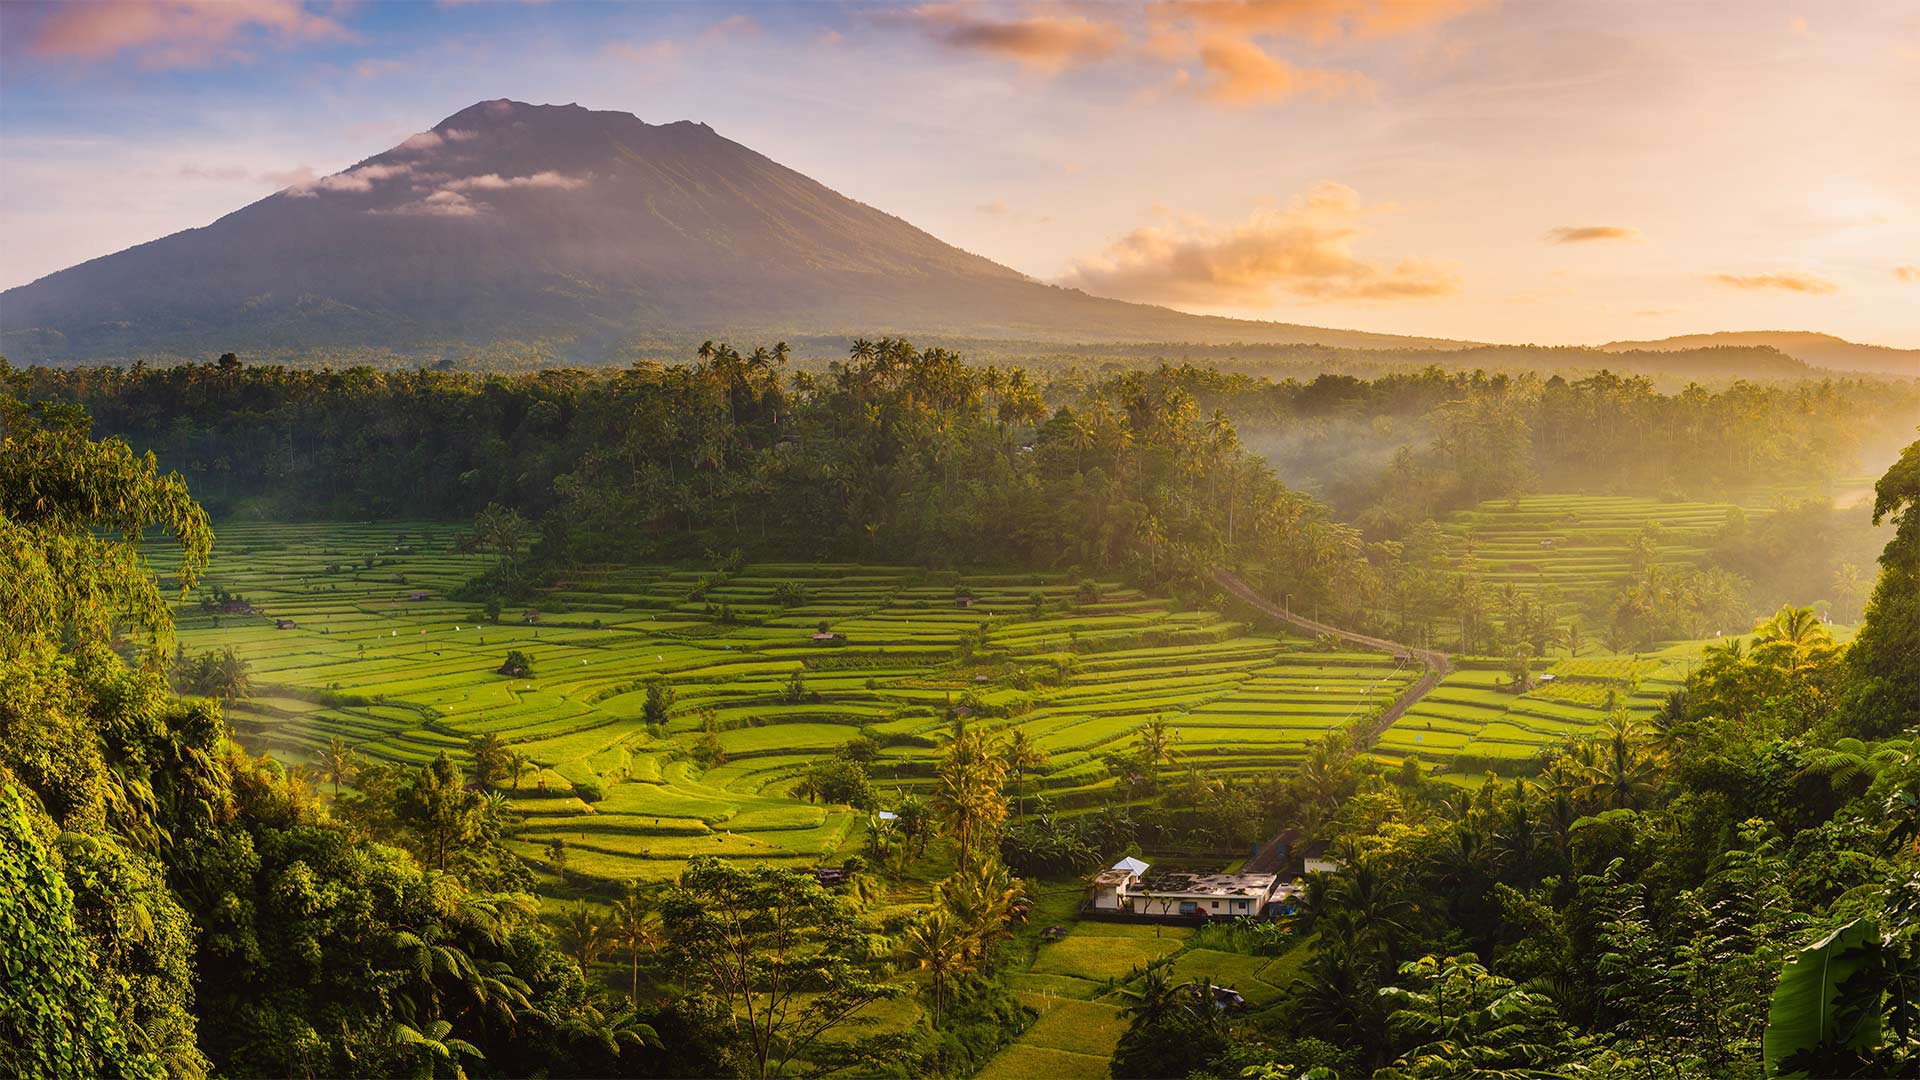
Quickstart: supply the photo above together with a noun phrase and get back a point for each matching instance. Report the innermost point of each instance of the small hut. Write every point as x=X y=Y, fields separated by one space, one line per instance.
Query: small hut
x=283 y=624
x=530 y=616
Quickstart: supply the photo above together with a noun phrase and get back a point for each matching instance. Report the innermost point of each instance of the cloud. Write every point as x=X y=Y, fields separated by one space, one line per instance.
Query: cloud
x=646 y=53
x=421 y=142
x=995 y=208
x=1043 y=42
x=552 y=181
x=438 y=204
x=164 y=34
x=1304 y=250
x=357 y=180
x=1314 y=20
x=1909 y=274
x=1582 y=234
x=1239 y=72
x=376 y=69
x=1792 y=281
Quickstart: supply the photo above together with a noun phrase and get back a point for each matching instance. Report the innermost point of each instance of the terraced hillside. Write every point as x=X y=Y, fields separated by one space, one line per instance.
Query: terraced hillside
x=1471 y=724
x=1582 y=545
x=377 y=654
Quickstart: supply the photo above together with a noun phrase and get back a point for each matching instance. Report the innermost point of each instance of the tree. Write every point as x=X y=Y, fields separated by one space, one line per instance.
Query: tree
x=967 y=793
x=659 y=702
x=1155 y=743
x=337 y=762
x=1170 y=1027
x=1885 y=692
x=1023 y=755
x=504 y=532
x=783 y=954
x=220 y=675
x=1622 y=774
x=1459 y=1019
x=519 y=763
x=491 y=760
x=436 y=805
x=72 y=514
x=632 y=929
x=584 y=935
x=517 y=665
x=937 y=944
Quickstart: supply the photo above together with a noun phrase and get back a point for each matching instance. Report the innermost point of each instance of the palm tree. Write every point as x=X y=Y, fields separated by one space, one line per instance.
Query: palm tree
x=1023 y=753
x=1380 y=917
x=583 y=935
x=632 y=929
x=938 y=946
x=518 y=764
x=1155 y=743
x=984 y=902
x=337 y=762
x=1621 y=774
x=502 y=531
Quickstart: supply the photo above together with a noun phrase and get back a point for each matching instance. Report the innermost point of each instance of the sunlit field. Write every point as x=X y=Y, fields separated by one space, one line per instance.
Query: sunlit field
x=404 y=679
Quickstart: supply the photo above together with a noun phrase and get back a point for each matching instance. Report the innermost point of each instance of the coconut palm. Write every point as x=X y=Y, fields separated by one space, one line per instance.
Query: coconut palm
x=337 y=762
x=1022 y=754
x=632 y=928
x=519 y=763
x=938 y=945
x=1621 y=774
x=583 y=935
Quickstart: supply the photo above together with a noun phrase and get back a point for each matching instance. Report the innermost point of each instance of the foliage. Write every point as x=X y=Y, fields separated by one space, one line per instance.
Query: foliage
x=781 y=953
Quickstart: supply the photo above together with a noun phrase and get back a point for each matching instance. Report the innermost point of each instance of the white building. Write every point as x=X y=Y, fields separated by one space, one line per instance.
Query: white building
x=1173 y=893
x=1110 y=885
x=1129 y=885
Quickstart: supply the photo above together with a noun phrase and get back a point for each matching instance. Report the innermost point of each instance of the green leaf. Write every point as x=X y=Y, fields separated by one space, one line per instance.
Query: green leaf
x=1806 y=1013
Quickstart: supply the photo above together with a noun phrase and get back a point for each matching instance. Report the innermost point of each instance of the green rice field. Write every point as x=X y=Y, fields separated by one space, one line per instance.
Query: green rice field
x=379 y=656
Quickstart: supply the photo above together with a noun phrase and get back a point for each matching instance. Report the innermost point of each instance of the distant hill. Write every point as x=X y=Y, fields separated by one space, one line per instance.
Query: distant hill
x=576 y=234
x=1818 y=350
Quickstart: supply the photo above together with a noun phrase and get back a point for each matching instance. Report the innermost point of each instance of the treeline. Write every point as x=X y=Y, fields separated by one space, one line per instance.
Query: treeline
x=896 y=454
x=1394 y=450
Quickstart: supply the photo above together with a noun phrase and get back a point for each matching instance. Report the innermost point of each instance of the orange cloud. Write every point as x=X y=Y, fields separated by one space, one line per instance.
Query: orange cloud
x=1581 y=234
x=1304 y=250
x=1790 y=281
x=1043 y=42
x=1241 y=73
x=1316 y=20
x=1910 y=274
x=178 y=33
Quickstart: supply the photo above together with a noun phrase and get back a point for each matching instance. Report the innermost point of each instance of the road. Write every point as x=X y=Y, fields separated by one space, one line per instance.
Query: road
x=1435 y=662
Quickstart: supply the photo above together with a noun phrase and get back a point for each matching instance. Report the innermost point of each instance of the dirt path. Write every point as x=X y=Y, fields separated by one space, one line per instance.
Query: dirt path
x=1435 y=662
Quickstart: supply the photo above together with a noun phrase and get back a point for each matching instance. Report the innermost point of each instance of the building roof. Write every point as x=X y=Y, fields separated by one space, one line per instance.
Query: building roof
x=1113 y=878
x=1224 y=886
x=1133 y=864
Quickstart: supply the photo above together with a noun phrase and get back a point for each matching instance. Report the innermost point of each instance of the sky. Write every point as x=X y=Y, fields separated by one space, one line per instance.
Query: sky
x=1550 y=171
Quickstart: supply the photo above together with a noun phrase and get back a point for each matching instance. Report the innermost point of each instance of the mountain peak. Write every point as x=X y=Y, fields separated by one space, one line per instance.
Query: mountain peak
x=515 y=222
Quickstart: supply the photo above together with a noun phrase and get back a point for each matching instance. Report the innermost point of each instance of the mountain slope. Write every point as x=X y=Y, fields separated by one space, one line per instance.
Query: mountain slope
x=581 y=230
x=1818 y=350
